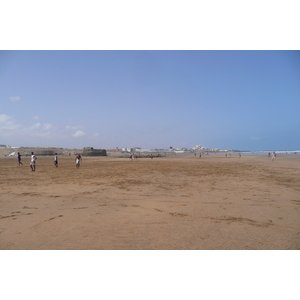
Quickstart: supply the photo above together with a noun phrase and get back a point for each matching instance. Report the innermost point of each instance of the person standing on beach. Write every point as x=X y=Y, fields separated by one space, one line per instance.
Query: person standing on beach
x=32 y=162
x=78 y=160
x=19 y=159
x=55 y=162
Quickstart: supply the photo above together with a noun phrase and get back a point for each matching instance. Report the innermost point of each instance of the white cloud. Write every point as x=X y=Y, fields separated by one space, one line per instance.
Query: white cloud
x=4 y=118
x=36 y=118
x=35 y=132
x=94 y=136
x=14 y=99
x=35 y=126
x=7 y=125
x=39 y=130
x=73 y=127
x=47 y=126
x=79 y=133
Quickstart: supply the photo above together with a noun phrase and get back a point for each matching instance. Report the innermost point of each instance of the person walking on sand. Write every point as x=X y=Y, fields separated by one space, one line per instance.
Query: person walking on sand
x=273 y=156
x=32 y=162
x=78 y=160
x=19 y=159
x=55 y=162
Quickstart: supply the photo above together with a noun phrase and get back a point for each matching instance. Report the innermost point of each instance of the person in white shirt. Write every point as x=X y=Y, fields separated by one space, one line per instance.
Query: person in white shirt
x=32 y=162
x=55 y=162
x=273 y=156
x=78 y=160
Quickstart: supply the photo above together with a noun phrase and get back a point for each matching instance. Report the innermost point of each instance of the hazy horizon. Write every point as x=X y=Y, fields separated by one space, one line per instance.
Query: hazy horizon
x=155 y=148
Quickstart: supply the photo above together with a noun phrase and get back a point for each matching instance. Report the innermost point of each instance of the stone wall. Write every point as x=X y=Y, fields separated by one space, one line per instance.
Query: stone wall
x=41 y=151
x=90 y=151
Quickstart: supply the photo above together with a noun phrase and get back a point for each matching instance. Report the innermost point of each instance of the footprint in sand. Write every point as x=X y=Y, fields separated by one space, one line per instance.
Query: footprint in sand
x=178 y=215
x=54 y=218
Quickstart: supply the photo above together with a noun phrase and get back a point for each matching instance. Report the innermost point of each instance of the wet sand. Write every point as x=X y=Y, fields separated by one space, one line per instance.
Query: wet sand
x=179 y=202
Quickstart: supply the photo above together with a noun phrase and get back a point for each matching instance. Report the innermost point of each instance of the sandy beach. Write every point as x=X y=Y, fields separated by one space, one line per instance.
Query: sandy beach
x=176 y=202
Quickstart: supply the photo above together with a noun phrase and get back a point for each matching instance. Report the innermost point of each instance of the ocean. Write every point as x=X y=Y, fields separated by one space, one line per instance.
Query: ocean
x=265 y=152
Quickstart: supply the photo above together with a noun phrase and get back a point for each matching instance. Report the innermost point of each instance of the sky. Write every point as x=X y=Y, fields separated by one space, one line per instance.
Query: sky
x=246 y=100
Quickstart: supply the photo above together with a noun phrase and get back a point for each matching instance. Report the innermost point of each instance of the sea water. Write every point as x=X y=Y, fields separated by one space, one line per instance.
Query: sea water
x=266 y=152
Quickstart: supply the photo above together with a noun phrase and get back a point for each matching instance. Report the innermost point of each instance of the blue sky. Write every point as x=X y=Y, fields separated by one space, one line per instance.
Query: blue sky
x=150 y=99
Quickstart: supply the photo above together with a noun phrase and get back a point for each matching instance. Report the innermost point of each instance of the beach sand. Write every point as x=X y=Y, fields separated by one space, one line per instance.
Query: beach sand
x=175 y=202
